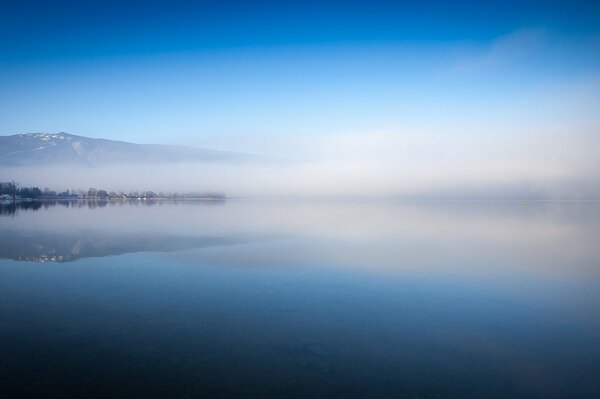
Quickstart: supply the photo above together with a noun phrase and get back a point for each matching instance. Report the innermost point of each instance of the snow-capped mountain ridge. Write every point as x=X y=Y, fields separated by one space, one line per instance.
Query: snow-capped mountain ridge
x=51 y=148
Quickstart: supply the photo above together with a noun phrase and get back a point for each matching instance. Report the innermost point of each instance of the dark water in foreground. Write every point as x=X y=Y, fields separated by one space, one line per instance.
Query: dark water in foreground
x=271 y=299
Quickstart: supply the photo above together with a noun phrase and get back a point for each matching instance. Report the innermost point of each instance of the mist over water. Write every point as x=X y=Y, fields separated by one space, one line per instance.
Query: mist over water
x=303 y=179
x=509 y=161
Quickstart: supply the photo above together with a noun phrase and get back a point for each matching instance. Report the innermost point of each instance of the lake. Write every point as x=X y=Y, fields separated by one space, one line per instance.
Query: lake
x=300 y=299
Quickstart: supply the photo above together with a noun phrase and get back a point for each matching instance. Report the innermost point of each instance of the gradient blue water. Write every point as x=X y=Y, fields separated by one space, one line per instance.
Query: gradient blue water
x=301 y=299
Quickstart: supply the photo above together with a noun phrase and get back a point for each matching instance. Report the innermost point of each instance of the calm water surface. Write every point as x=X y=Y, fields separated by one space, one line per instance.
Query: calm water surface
x=293 y=299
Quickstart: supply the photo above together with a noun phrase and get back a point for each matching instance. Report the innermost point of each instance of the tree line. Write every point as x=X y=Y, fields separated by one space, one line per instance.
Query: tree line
x=11 y=190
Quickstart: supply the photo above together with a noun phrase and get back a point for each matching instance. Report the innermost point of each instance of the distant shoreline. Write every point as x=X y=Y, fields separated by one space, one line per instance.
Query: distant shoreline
x=67 y=199
x=11 y=192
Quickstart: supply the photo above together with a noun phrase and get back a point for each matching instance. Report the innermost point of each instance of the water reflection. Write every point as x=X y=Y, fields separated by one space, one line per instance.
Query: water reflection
x=9 y=208
x=38 y=244
x=478 y=237
x=43 y=246
x=296 y=299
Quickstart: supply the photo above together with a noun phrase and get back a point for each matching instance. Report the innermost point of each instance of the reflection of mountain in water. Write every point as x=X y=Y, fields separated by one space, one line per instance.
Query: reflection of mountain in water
x=65 y=247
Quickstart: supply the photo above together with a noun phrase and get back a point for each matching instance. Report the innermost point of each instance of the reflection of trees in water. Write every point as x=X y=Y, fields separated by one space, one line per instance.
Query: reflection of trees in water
x=12 y=209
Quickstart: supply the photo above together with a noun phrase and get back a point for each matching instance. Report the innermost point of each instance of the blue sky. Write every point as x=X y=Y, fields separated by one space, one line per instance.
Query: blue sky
x=277 y=77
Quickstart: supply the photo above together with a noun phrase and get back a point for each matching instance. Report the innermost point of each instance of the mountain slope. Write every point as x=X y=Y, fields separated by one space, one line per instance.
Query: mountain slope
x=52 y=148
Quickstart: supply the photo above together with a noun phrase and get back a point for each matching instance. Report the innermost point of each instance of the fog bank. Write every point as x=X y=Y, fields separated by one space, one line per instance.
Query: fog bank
x=321 y=179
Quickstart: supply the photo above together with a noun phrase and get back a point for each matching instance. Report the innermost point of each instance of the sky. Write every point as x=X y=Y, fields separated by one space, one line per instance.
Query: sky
x=509 y=88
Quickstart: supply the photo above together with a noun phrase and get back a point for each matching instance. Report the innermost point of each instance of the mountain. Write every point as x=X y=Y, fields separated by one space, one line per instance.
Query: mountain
x=52 y=148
